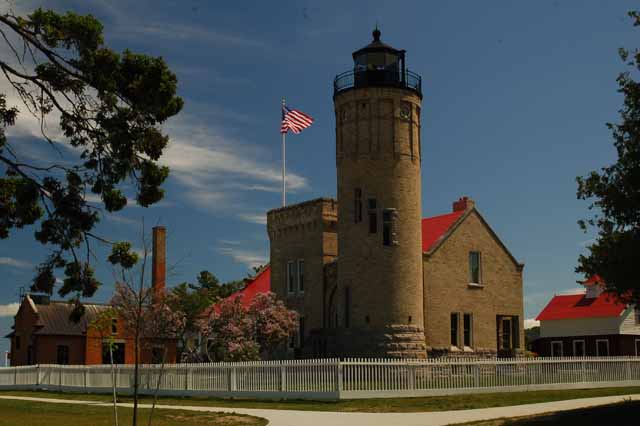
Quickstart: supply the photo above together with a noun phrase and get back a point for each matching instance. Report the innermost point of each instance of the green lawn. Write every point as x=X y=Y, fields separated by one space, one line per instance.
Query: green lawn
x=385 y=405
x=623 y=414
x=27 y=413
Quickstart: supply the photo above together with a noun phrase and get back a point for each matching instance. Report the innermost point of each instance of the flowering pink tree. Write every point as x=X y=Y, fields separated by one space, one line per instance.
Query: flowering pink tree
x=237 y=333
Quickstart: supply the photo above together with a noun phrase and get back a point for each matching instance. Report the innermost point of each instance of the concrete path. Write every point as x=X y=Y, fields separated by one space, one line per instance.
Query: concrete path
x=313 y=418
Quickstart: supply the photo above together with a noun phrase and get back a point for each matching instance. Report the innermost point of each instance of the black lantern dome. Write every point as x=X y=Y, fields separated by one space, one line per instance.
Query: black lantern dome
x=378 y=64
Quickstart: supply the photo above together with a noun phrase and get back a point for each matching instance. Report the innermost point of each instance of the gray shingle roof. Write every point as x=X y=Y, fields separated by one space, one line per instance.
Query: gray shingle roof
x=54 y=318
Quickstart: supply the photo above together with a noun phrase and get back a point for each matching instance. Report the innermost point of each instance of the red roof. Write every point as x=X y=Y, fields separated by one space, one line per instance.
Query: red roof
x=578 y=306
x=433 y=228
x=261 y=284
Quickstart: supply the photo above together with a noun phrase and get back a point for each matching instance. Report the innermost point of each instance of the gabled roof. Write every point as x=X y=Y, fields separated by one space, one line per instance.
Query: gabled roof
x=436 y=227
x=261 y=283
x=575 y=306
x=436 y=230
x=53 y=319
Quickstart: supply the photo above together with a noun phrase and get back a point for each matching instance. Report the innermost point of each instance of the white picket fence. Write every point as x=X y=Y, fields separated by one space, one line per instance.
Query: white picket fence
x=334 y=378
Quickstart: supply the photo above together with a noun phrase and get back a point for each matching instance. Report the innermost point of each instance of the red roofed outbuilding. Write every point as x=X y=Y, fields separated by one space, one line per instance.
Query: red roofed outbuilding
x=588 y=323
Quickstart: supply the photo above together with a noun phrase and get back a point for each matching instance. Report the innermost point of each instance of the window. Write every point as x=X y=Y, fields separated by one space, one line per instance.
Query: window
x=347 y=307
x=388 y=228
x=578 y=348
x=301 y=276
x=63 y=355
x=17 y=342
x=357 y=205
x=602 y=347
x=117 y=351
x=467 y=329
x=114 y=326
x=373 y=216
x=455 y=319
x=157 y=355
x=291 y=277
x=474 y=267
x=556 y=348
x=301 y=332
x=637 y=347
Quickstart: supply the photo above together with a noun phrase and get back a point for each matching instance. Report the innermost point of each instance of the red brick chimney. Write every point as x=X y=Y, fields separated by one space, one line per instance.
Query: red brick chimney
x=463 y=204
x=159 y=261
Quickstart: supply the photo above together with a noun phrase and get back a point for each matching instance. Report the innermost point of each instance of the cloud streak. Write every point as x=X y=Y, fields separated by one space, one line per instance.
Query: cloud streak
x=15 y=263
x=9 y=310
x=216 y=170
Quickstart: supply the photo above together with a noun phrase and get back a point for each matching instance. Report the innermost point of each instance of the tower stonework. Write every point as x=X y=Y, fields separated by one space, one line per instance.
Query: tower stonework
x=378 y=154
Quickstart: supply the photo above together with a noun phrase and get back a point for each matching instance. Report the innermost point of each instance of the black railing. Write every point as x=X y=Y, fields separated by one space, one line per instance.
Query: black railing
x=373 y=78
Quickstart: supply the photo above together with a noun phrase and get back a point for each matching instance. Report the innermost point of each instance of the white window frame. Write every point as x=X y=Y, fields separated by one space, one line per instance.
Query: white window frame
x=598 y=347
x=584 y=347
x=291 y=290
x=561 y=348
x=300 y=276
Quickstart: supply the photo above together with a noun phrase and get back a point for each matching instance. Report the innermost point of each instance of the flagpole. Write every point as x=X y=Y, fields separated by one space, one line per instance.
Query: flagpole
x=284 y=174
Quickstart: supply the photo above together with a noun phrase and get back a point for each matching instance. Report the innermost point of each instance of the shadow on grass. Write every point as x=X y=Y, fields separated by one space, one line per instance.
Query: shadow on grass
x=623 y=414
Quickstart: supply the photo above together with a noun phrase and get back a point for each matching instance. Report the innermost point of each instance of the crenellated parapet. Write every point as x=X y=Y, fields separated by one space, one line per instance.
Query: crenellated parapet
x=319 y=215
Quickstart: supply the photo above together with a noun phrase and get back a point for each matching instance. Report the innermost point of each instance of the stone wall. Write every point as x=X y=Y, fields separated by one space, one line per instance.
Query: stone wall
x=305 y=231
x=378 y=153
x=448 y=289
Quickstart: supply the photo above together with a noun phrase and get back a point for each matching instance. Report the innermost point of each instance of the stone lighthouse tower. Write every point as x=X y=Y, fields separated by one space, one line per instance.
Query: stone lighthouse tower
x=377 y=107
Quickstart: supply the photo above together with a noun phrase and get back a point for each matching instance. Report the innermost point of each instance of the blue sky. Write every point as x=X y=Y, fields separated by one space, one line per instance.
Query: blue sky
x=516 y=97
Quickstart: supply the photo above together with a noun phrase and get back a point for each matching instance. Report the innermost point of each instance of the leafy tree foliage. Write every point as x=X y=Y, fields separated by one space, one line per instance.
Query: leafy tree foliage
x=210 y=287
x=615 y=194
x=236 y=333
x=109 y=107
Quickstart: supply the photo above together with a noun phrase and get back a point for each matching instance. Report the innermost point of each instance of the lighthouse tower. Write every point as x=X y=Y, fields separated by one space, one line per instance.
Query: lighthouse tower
x=377 y=107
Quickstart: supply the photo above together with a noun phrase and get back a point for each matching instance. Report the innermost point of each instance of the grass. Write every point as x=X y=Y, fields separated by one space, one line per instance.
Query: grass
x=622 y=414
x=39 y=414
x=382 y=405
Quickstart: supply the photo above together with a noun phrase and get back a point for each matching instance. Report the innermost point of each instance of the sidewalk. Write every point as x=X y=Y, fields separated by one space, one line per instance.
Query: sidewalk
x=313 y=418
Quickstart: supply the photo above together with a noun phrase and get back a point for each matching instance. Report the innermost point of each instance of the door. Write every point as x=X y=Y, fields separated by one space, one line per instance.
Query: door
x=506 y=333
x=578 y=348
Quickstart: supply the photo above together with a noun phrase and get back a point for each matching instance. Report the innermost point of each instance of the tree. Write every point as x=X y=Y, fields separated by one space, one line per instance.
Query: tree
x=103 y=325
x=108 y=106
x=191 y=303
x=236 y=333
x=145 y=313
x=615 y=195
x=208 y=284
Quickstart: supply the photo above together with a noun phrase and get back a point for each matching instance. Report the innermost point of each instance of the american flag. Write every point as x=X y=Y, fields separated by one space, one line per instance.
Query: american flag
x=294 y=120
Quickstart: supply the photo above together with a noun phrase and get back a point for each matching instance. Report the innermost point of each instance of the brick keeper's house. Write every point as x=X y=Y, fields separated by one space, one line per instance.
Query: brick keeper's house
x=43 y=334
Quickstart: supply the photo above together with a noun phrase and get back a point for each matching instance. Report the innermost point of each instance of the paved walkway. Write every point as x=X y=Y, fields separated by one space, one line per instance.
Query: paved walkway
x=313 y=418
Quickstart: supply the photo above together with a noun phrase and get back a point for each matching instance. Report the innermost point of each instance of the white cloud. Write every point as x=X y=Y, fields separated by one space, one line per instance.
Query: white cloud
x=530 y=323
x=260 y=219
x=246 y=257
x=215 y=170
x=15 y=263
x=9 y=310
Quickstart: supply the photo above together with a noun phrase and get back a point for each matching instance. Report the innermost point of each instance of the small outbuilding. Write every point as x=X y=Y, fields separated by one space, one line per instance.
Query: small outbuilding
x=589 y=323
